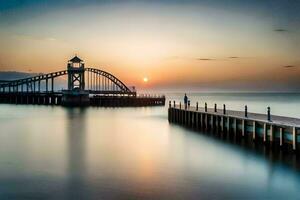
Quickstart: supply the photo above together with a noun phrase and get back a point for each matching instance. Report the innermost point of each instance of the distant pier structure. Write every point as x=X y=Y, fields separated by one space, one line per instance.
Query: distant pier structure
x=270 y=130
x=85 y=86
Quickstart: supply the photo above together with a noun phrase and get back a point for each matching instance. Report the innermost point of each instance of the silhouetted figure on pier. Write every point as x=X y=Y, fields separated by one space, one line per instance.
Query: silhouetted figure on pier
x=185 y=99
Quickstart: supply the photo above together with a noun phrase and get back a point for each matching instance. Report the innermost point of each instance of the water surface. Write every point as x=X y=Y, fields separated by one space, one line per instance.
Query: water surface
x=51 y=152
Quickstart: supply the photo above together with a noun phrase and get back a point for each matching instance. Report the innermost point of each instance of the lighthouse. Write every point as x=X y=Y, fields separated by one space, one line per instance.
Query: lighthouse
x=75 y=95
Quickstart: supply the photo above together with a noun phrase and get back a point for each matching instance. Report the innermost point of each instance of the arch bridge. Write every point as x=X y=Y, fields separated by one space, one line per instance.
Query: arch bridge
x=75 y=86
x=79 y=78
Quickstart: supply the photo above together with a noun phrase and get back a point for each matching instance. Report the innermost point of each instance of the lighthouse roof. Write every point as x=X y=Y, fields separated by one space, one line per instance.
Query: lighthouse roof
x=76 y=60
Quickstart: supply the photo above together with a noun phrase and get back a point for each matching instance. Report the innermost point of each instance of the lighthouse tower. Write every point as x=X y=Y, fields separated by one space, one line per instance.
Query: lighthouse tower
x=75 y=74
x=75 y=95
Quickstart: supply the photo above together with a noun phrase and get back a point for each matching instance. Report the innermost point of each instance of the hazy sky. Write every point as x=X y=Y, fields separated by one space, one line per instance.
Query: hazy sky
x=229 y=44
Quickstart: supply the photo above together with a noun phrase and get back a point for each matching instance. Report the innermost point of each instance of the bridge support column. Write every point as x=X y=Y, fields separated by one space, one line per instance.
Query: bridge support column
x=47 y=85
x=52 y=84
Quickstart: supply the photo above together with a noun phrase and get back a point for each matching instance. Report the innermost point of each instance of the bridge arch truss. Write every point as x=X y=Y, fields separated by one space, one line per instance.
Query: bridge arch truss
x=97 y=82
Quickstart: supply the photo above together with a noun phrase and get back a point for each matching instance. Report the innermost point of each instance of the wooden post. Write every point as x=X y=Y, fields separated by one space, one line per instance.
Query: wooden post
x=269 y=114
x=169 y=104
x=243 y=128
x=281 y=137
x=197 y=120
x=180 y=105
x=174 y=104
x=246 y=111
x=222 y=124
x=212 y=122
x=254 y=131
x=215 y=107
x=234 y=126
x=228 y=125
x=172 y=114
x=271 y=133
x=197 y=106
x=205 y=107
x=201 y=120
x=169 y=115
x=206 y=122
x=217 y=123
x=294 y=139
x=265 y=132
x=224 y=109
x=194 y=120
x=186 y=118
x=182 y=116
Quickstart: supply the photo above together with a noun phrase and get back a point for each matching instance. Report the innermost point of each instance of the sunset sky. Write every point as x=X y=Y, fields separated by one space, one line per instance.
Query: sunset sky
x=195 y=45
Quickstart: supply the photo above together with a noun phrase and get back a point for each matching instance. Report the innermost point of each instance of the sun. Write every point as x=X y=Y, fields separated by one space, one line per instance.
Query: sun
x=145 y=79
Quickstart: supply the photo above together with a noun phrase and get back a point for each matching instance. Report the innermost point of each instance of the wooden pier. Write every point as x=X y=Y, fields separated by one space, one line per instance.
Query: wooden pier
x=273 y=131
x=56 y=98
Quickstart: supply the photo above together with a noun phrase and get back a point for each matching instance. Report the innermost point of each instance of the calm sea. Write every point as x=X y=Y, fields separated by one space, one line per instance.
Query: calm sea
x=51 y=152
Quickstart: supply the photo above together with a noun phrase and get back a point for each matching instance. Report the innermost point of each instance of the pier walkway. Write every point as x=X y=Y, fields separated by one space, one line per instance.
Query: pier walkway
x=279 y=120
x=270 y=129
